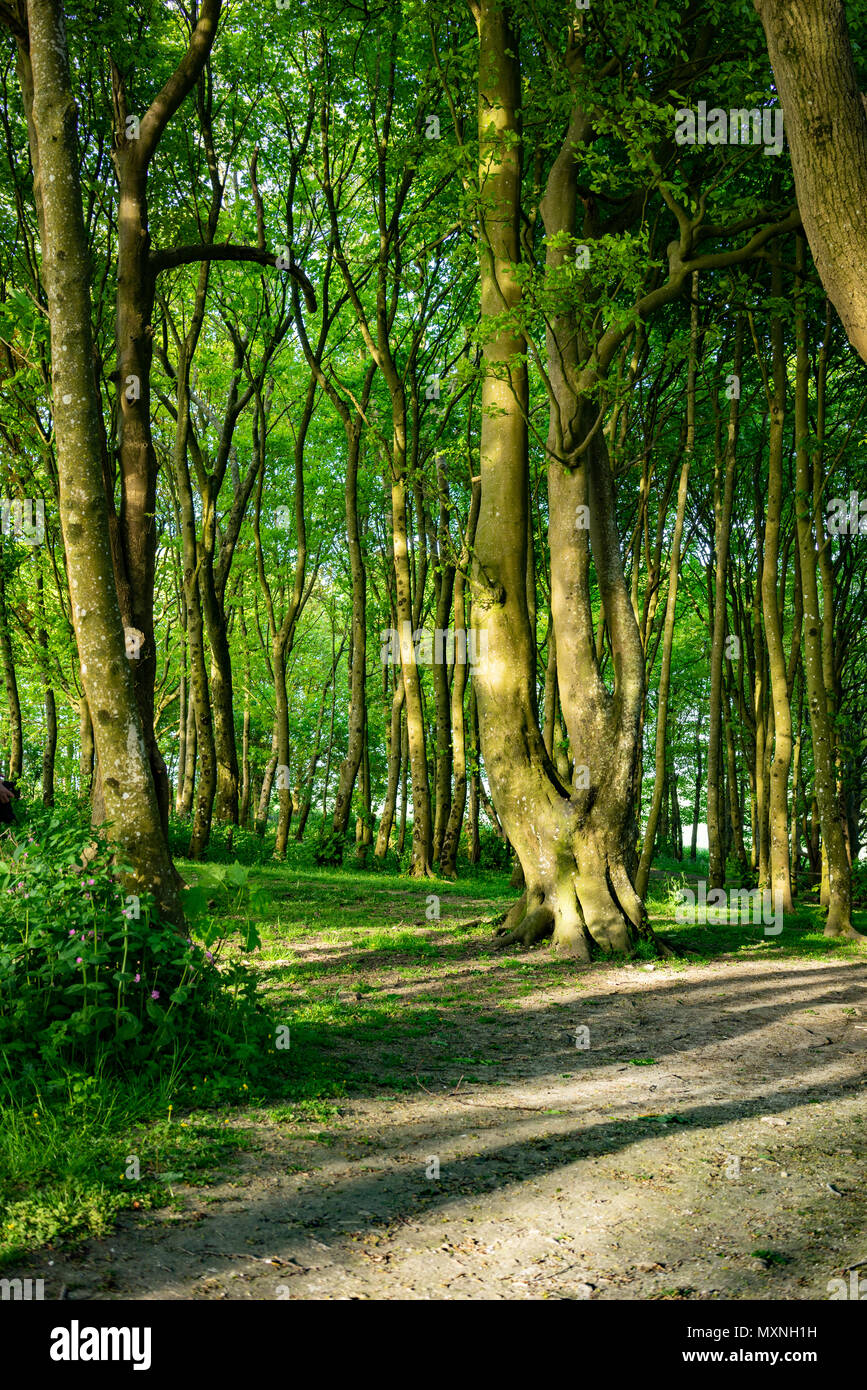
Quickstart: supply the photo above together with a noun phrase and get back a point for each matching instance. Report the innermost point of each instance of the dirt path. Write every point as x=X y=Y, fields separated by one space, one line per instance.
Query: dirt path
x=565 y=1171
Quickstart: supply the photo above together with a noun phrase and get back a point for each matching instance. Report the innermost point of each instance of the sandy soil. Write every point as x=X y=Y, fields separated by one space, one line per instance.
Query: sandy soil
x=565 y=1171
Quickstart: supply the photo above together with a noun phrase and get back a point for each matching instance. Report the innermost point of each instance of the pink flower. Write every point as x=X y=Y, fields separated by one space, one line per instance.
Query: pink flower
x=137 y=978
x=78 y=960
x=155 y=994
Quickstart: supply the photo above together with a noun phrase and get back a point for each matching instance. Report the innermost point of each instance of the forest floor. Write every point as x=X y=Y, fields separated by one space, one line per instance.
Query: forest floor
x=451 y=1136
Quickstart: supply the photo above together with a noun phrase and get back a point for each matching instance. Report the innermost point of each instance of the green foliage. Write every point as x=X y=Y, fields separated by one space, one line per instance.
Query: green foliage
x=91 y=976
x=330 y=847
x=494 y=852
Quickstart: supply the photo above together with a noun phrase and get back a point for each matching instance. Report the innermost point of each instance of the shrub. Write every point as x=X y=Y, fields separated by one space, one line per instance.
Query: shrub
x=87 y=973
x=329 y=848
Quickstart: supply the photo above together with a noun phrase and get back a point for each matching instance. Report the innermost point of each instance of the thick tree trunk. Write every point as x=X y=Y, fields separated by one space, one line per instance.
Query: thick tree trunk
x=126 y=775
x=576 y=844
x=826 y=130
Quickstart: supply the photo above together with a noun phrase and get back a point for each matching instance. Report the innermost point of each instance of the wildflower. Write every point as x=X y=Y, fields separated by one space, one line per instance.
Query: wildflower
x=137 y=978
x=155 y=994
x=78 y=960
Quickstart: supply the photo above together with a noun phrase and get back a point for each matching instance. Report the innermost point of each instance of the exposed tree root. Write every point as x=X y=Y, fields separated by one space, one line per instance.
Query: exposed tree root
x=850 y=934
x=534 y=927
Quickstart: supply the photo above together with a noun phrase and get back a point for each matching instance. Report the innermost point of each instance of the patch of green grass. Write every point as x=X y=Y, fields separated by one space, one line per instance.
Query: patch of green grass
x=69 y=1163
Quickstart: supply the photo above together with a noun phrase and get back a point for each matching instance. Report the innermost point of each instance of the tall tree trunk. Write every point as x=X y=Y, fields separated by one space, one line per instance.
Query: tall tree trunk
x=182 y=734
x=576 y=844
x=839 y=920
x=86 y=749
x=358 y=644
x=696 y=807
x=826 y=130
x=13 y=702
x=404 y=800
x=265 y=792
x=780 y=874
x=188 y=790
x=386 y=820
x=127 y=778
x=49 y=746
x=452 y=837
x=643 y=872
x=734 y=802
x=722 y=530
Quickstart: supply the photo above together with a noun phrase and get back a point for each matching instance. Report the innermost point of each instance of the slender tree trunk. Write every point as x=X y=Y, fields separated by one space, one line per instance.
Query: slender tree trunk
x=358 y=645
x=182 y=734
x=265 y=793
x=404 y=770
x=188 y=791
x=13 y=703
x=734 y=801
x=49 y=746
x=643 y=872
x=839 y=921
x=86 y=750
x=723 y=519
x=452 y=837
x=696 y=809
x=386 y=820
x=364 y=829
x=780 y=874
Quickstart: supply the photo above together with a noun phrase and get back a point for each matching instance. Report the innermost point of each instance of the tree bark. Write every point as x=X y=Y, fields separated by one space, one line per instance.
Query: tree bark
x=826 y=129
x=839 y=920
x=643 y=873
x=127 y=778
x=723 y=520
x=13 y=702
x=780 y=873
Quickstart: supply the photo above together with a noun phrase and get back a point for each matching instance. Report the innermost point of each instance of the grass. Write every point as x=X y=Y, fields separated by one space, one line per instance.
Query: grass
x=66 y=1147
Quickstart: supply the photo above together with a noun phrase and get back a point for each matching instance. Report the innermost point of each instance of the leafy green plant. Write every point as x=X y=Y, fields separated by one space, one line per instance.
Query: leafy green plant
x=89 y=972
x=330 y=845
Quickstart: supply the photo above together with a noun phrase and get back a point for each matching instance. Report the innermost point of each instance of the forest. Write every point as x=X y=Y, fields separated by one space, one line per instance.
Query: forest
x=433 y=631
